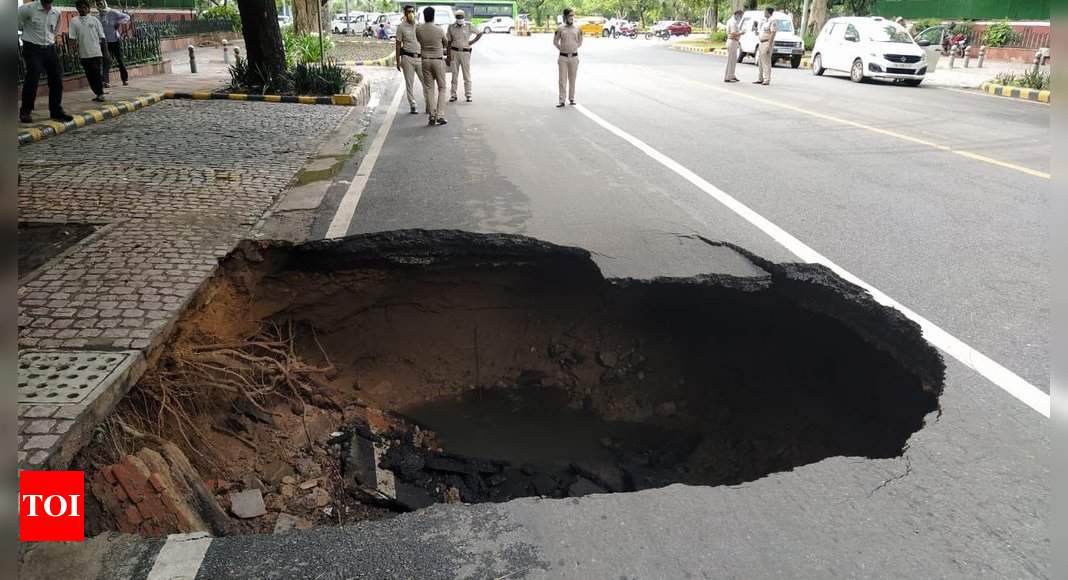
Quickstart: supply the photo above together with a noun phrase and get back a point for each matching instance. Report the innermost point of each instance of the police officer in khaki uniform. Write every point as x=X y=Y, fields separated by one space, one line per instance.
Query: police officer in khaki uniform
x=408 y=59
x=734 y=34
x=460 y=42
x=432 y=47
x=567 y=40
x=766 y=35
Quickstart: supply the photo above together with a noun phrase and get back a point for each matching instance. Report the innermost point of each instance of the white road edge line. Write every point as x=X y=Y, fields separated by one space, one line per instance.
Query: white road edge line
x=180 y=557
x=346 y=210
x=1002 y=377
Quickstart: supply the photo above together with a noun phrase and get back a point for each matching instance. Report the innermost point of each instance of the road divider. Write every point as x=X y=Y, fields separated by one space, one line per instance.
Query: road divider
x=1015 y=92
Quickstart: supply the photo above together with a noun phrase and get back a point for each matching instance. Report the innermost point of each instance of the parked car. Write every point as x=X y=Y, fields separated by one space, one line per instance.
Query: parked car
x=443 y=16
x=284 y=20
x=679 y=28
x=340 y=24
x=499 y=24
x=392 y=22
x=788 y=45
x=591 y=25
x=869 y=47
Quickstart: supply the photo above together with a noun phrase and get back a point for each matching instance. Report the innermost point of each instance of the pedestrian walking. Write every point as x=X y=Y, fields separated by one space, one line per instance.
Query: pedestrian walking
x=112 y=20
x=88 y=34
x=567 y=40
x=734 y=34
x=766 y=35
x=38 y=21
x=409 y=60
x=433 y=49
x=460 y=42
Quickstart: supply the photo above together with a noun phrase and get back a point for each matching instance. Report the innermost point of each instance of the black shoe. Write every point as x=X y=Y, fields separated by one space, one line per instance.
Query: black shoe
x=468 y=99
x=758 y=82
x=414 y=112
x=452 y=99
x=572 y=102
x=107 y=85
x=125 y=84
x=560 y=106
x=441 y=121
x=62 y=117
x=432 y=122
x=99 y=99
x=25 y=118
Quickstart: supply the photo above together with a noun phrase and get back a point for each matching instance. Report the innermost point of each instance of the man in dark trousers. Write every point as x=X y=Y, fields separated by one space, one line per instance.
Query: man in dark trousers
x=112 y=20
x=38 y=22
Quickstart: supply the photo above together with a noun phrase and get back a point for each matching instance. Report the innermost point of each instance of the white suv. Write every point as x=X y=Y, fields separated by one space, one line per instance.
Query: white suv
x=498 y=24
x=869 y=47
x=788 y=45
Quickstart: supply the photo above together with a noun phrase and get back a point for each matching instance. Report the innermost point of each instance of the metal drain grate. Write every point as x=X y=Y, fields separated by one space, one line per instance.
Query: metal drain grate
x=64 y=378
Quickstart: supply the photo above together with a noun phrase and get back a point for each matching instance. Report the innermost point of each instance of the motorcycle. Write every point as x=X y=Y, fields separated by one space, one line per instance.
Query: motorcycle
x=628 y=31
x=664 y=34
x=955 y=44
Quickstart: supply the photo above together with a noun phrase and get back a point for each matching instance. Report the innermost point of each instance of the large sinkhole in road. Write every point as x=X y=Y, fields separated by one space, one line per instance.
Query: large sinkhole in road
x=397 y=370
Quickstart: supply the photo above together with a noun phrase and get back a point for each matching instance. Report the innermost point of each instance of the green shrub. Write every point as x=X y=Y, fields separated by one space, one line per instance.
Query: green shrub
x=999 y=34
x=303 y=48
x=810 y=40
x=225 y=12
x=964 y=28
x=329 y=79
x=922 y=24
x=1029 y=80
x=718 y=36
x=255 y=80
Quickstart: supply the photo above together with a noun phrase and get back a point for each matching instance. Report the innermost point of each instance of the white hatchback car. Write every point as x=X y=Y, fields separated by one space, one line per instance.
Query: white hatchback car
x=498 y=24
x=869 y=47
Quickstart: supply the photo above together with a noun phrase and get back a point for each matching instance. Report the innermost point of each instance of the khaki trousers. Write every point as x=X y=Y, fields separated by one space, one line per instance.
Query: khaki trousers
x=764 y=62
x=732 y=59
x=568 y=69
x=434 y=72
x=461 y=61
x=412 y=68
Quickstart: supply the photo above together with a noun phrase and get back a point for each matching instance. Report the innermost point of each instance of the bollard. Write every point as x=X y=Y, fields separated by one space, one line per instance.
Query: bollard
x=982 y=56
x=967 y=57
x=1038 y=61
x=952 y=57
x=226 y=51
x=237 y=53
x=192 y=60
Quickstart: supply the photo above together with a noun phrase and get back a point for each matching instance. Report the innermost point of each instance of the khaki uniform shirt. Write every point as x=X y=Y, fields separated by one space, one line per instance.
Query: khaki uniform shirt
x=406 y=36
x=430 y=37
x=734 y=26
x=459 y=35
x=568 y=38
x=766 y=30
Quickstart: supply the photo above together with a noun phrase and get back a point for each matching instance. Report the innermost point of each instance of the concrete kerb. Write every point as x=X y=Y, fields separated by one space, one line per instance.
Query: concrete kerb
x=1016 y=92
x=358 y=97
x=806 y=62
x=388 y=60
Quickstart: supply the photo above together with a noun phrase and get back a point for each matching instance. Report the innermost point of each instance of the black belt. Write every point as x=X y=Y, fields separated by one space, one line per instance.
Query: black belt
x=433 y=58
x=568 y=54
x=26 y=43
x=411 y=54
x=460 y=49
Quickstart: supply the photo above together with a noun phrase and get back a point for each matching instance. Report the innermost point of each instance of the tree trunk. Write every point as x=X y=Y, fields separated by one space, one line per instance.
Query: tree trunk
x=304 y=17
x=817 y=16
x=263 y=39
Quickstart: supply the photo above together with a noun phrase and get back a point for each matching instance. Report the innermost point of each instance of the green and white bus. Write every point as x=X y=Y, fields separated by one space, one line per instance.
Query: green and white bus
x=477 y=11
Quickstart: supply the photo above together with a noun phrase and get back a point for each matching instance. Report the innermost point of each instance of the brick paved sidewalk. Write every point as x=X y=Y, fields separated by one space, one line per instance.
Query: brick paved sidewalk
x=211 y=74
x=178 y=184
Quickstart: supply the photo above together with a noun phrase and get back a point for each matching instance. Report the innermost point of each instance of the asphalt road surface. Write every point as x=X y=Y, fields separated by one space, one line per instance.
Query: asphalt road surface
x=937 y=198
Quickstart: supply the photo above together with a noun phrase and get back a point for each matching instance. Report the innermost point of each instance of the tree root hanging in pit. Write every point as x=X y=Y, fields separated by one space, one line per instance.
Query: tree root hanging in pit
x=193 y=379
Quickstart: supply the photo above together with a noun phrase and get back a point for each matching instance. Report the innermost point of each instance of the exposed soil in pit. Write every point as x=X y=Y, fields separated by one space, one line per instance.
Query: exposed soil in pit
x=348 y=380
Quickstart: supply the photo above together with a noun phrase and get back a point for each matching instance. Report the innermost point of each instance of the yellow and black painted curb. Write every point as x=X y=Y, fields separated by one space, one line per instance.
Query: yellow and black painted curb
x=806 y=62
x=345 y=100
x=90 y=117
x=1015 y=92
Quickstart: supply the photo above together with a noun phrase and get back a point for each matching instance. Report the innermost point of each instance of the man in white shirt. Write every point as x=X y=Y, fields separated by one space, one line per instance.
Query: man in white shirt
x=460 y=42
x=112 y=20
x=766 y=35
x=38 y=22
x=87 y=32
x=734 y=33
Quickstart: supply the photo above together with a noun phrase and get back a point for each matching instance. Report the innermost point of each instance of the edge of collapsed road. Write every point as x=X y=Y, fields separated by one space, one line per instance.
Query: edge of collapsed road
x=51 y=128
x=71 y=425
x=1041 y=96
x=806 y=61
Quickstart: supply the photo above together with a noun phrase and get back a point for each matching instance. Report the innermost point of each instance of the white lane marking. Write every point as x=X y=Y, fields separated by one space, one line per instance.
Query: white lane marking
x=347 y=208
x=180 y=557
x=968 y=356
x=980 y=93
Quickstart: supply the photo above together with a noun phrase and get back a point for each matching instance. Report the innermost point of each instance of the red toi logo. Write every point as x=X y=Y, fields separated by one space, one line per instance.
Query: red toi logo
x=51 y=506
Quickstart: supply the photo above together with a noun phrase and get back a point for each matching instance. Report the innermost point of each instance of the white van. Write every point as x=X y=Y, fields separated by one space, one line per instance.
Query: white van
x=788 y=45
x=869 y=47
x=443 y=16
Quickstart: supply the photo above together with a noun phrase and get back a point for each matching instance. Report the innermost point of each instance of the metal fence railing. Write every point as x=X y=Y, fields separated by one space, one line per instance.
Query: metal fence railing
x=138 y=50
x=172 y=28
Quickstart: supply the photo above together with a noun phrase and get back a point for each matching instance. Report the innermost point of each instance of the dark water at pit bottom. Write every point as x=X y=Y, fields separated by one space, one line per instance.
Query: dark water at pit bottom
x=533 y=425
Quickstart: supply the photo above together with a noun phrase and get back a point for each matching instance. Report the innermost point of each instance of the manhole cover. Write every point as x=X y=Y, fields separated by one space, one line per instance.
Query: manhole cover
x=64 y=377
